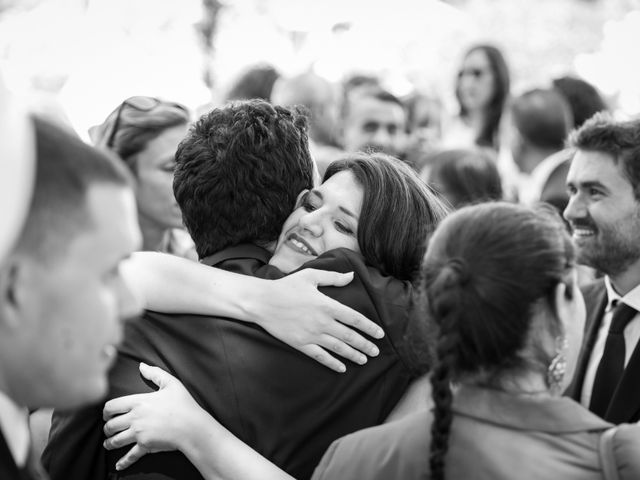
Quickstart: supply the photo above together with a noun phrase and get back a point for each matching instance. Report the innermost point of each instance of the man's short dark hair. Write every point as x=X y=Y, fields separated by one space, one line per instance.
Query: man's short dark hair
x=239 y=171
x=543 y=118
x=66 y=168
x=621 y=140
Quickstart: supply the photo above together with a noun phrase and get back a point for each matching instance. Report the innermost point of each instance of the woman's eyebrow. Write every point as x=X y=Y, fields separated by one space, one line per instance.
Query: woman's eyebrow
x=349 y=212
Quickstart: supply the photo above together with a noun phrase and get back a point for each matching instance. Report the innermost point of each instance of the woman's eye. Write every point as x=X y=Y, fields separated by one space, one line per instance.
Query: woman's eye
x=344 y=228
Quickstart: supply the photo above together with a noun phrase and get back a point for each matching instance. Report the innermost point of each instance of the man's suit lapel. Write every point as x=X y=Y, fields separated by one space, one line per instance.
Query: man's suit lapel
x=595 y=298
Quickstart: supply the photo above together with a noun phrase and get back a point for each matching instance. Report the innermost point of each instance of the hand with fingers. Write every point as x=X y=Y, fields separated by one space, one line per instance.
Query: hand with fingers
x=295 y=312
x=160 y=421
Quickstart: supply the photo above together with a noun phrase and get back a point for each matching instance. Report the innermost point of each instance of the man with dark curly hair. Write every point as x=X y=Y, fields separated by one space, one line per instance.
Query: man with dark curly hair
x=238 y=174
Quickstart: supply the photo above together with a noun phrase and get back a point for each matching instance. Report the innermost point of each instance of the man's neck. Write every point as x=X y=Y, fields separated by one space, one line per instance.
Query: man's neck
x=626 y=281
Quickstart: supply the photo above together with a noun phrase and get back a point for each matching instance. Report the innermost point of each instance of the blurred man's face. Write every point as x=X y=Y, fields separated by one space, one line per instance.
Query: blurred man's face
x=73 y=319
x=375 y=124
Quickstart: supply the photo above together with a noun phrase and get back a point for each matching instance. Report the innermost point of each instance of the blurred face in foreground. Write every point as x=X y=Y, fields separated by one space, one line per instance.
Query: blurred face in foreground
x=67 y=313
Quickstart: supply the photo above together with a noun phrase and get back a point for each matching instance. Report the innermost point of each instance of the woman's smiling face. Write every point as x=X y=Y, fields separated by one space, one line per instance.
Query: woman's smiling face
x=325 y=218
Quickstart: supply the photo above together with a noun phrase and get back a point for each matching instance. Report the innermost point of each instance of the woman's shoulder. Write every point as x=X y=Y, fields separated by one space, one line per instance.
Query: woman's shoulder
x=393 y=450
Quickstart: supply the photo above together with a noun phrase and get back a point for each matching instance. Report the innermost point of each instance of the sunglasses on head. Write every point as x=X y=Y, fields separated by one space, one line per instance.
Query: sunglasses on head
x=140 y=104
x=472 y=72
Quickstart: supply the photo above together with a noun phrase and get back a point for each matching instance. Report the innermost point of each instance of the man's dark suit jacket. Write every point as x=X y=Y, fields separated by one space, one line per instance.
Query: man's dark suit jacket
x=625 y=403
x=282 y=403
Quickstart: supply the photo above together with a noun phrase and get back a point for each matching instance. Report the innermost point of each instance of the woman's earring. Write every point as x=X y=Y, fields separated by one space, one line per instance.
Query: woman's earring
x=558 y=365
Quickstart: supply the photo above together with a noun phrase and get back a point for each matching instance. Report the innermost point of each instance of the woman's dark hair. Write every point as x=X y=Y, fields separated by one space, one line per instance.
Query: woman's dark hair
x=399 y=212
x=488 y=136
x=256 y=83
x=134 y=123
x=584 y=99
x=486 y=269
x=465 y=177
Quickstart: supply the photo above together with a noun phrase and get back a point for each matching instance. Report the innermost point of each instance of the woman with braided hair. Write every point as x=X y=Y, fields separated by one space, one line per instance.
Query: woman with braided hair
x=500 y=290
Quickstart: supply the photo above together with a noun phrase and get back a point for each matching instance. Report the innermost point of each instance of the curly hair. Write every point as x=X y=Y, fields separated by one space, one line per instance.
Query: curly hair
x=238 y=173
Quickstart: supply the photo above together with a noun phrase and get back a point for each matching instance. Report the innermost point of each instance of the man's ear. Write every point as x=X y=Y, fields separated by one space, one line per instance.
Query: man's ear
x=13 y=292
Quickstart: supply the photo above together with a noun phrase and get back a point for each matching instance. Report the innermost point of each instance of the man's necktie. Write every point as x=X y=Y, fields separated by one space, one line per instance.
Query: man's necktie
x=611 y=365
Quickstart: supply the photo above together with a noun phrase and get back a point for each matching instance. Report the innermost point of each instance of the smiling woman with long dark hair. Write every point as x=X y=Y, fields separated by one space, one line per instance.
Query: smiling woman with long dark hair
x=482 y=89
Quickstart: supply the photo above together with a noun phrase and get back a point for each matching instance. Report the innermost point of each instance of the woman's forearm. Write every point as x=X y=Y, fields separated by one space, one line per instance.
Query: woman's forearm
x=219 y=455
x=291 y=308
x=172 y=284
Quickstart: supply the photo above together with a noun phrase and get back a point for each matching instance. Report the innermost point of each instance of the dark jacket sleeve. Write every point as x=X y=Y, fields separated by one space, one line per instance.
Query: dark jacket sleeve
x=74 y=450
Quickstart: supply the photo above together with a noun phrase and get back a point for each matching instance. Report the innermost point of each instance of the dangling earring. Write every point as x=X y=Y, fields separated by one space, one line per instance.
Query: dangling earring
x=558 y=366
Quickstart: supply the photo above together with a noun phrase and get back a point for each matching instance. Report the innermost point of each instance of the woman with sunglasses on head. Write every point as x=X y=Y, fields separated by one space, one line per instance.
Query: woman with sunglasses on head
x=481 y=89
x=145 y=132
x=499 y=290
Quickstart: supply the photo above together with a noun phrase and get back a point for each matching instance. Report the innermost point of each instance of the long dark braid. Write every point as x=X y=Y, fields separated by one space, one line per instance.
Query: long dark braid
x=444 y=305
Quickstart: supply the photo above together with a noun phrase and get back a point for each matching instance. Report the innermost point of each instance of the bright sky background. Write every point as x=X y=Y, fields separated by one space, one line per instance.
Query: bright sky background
x=85 y=56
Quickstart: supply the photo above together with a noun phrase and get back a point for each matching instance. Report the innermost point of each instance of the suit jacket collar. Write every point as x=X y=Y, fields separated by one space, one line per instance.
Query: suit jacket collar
x=14 y=426
x=237 y=252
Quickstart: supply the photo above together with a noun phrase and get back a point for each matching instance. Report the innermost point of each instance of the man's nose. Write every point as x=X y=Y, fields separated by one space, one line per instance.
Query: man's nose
x=575 y=208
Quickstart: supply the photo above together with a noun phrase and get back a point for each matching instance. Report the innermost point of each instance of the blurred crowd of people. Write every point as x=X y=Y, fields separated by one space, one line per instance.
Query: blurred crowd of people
x=324 y=281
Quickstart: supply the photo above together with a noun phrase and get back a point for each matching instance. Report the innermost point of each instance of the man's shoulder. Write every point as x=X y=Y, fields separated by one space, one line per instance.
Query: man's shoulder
x=337 y=260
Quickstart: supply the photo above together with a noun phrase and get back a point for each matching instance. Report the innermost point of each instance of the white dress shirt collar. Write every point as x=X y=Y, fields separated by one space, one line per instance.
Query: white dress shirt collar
x=14 y=423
